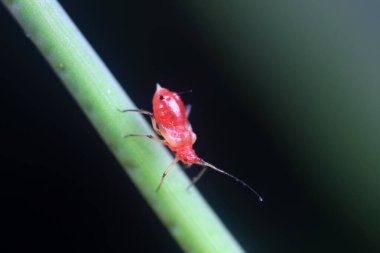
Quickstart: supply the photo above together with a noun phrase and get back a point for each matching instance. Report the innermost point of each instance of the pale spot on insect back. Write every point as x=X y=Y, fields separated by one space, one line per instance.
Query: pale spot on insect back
x=175 y=108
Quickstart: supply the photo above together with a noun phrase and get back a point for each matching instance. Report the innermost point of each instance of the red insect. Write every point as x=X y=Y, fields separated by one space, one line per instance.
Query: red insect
x=169 y=120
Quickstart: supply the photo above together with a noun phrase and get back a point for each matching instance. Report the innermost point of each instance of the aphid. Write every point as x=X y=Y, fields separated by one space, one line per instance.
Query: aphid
x=170 y=121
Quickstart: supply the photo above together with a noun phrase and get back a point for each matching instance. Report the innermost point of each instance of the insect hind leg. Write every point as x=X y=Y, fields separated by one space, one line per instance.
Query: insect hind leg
x=166 y=172
x=195 y=179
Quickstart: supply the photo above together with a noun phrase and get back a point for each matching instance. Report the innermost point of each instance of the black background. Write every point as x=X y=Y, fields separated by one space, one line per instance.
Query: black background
x=61 y=190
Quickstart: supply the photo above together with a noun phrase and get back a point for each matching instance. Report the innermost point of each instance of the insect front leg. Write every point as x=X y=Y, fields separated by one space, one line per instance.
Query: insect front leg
x=155 y=126
x=188 y=110
x=147 y=136
x=153 y=120
x=138 y=110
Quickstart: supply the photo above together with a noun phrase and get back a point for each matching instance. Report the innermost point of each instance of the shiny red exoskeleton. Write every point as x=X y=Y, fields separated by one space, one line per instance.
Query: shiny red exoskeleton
x=173 y=125
x=170 y=121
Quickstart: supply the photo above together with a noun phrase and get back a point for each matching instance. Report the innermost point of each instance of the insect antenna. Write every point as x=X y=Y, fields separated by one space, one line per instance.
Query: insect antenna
x=203 y=163
x=184 y=92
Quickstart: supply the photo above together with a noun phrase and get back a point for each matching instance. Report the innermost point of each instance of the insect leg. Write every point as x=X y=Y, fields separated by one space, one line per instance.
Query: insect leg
x=188 y=110
x=196 y=178
x=166 y=172
x=155 y=126
x=137 y=110
x=153 y=120
x=148 y=136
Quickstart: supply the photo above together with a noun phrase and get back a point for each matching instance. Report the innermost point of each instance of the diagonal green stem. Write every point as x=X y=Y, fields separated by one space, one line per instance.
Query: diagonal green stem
x=186 y=214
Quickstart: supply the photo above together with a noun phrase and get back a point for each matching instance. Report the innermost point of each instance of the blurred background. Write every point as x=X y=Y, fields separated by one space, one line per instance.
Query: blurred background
x=285 y=96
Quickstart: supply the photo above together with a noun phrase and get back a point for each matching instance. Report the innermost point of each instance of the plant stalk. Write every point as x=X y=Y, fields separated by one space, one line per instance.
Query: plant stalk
x=186 y=215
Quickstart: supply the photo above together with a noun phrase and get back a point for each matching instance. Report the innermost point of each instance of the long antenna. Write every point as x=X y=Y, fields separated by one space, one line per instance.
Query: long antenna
x=184 y=92
x=202 y=162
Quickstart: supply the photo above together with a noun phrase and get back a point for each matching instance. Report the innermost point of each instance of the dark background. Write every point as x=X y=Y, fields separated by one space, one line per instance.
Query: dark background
x=61 y=190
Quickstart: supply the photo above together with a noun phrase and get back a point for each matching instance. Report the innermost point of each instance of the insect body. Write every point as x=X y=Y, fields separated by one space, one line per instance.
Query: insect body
x=170 y=121
x=170 y=115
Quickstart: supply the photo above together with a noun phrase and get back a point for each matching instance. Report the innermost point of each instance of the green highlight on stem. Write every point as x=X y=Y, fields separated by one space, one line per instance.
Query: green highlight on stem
x=186 y=214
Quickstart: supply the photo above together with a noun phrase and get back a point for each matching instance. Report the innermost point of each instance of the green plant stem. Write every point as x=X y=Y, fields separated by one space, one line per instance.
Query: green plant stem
x=186 y=214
